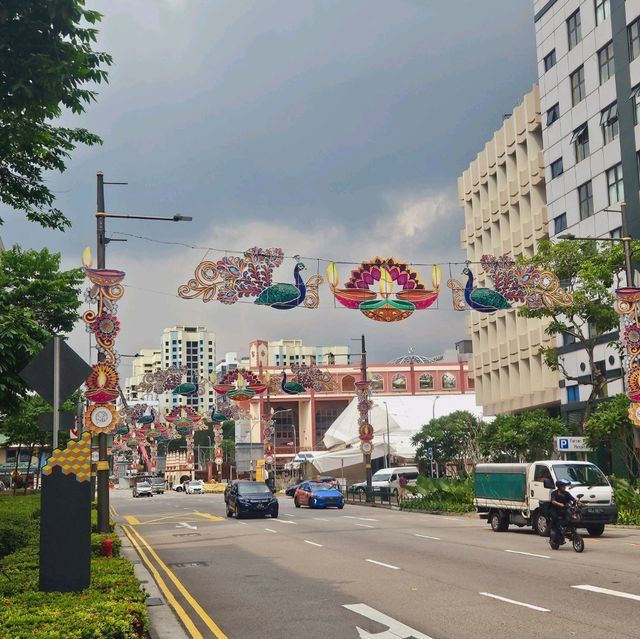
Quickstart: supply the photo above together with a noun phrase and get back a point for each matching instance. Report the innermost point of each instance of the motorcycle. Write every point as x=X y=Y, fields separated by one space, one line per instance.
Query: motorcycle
x=568 y=530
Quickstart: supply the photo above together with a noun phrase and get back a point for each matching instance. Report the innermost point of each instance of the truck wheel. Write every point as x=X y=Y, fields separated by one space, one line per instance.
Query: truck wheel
x=595 y=530
x=541 y=524
x=499 y=522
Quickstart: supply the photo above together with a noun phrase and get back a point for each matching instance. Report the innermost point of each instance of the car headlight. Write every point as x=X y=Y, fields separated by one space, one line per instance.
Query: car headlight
x=613 y=500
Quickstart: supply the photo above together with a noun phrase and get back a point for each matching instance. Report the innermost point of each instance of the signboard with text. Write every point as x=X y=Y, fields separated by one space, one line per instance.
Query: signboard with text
x=572 y=445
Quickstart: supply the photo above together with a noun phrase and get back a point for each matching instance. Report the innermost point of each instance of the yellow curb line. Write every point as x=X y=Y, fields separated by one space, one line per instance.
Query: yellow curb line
x=183 y=591
x=178 y=609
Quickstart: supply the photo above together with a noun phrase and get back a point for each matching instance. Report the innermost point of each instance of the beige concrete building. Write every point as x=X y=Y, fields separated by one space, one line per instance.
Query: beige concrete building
x=147 y=360
x=285 y=352
x=503 y=196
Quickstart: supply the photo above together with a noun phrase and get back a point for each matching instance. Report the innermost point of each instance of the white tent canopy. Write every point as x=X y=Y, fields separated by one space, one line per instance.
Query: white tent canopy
x=406 y=416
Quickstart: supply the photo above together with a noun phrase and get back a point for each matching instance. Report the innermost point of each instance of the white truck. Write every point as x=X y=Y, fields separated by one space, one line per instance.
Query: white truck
x=519 y=494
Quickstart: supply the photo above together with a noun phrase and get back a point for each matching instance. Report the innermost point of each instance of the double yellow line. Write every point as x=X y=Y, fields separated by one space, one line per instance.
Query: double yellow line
x=142 y=548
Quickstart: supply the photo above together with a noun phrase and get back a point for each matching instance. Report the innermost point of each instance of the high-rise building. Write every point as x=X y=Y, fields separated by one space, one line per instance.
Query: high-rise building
x=146 y=360
x=193 y=347
x=503 y=196
x=285 y=352
x=588 y=54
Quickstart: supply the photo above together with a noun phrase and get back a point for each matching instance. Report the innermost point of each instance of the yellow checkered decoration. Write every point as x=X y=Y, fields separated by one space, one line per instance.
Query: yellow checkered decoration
x=75 y=459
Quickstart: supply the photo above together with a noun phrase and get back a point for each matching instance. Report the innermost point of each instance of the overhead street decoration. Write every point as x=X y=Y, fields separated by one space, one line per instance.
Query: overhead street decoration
x=627 y=301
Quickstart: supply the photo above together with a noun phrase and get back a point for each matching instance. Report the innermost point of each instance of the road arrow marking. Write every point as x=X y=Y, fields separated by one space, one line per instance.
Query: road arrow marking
x=395 y=628
x=379 y=563
x=184 y=524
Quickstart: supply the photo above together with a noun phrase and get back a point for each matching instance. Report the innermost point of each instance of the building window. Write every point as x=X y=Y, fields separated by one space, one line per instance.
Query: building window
x=616 y=234
x=553 y=113
x=377 y=383
x=573 y=29
x=573 y=394
x=577 y=86
x=568 y=339
x=609 y=123
x=448 y=381
x=550 y=60
x=399 y=382
x=348 y=383
x=602 y=10
x=426 y=382
x=585 y=200
x=559 y=223
x=606 y=62
x=556 y=168
x=635 y=95
x=615 y=185
x=580 y=141
x=633 y=33
x=325 y=416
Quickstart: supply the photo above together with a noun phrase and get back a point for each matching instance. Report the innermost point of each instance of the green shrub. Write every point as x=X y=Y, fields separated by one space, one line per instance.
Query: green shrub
x=435 y=505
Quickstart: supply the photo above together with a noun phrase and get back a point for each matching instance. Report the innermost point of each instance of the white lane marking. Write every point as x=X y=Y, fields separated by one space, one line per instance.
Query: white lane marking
x=513 y=601
x=529 y=554
x=379 y=563
x=427 y=537
x=288 y=515
x=243 y=523
x=271 y=530
x=312 y=543
x=396 y=629
x=364 y=525
x=281 y=521
x=360 y=518
x=456 y=519
x=320 y=519
x=606 y=591
x=184 y=524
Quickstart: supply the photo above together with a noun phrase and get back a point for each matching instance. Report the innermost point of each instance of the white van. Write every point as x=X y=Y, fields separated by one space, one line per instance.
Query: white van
x=387 y=479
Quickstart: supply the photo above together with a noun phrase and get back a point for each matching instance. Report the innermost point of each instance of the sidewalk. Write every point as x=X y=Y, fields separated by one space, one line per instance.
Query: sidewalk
x=163 y=623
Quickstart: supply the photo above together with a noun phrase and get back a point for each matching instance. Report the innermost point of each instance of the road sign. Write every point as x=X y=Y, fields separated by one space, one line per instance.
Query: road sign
x=38 y=373
x=67 y=421
x=572 y=445
x=430 y=453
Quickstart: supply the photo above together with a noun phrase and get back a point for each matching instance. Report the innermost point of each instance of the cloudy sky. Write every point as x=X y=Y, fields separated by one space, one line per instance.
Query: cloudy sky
x=330 y=128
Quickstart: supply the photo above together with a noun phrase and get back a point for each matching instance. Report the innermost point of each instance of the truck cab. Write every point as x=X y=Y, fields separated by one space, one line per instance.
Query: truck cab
x=519 y=494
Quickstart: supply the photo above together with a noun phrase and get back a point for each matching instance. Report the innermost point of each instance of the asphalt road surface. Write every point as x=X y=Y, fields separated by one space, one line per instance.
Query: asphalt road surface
x=369 y=572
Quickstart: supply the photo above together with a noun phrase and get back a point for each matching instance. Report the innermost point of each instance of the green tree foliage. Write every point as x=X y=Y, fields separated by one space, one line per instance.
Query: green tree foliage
x=37 y=300
x=46 y=63
x=525 y=437
x=454 y=439
x=590 y=271
x=610 y=424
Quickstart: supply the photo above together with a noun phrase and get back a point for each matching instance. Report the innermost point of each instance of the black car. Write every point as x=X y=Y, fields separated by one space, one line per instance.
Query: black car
x=290 y=492
x=251 y=498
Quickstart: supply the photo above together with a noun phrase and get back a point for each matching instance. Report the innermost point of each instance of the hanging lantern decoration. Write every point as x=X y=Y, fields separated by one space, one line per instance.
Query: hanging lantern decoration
x=239 y=385
x=365 y=430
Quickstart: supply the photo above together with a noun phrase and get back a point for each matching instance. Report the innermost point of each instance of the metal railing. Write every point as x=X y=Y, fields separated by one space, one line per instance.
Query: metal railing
x=382 y=496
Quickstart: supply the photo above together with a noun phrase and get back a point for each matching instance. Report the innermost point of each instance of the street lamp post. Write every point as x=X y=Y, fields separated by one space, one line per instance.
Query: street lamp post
x=102 y=474
x=386 y=406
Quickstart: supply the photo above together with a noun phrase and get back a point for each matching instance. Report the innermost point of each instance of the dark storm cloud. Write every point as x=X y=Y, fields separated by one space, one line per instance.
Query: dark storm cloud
x=312 y=117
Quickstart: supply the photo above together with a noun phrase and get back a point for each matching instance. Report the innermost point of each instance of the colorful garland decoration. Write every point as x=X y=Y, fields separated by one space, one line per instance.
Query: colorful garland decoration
x=313 y=378
x=411 y=294
x=365 y=404
x=102 y=385
x=627 y=303
x=239 y=385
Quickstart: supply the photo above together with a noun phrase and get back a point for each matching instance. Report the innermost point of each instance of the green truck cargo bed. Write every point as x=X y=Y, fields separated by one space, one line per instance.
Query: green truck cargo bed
x=505 y=482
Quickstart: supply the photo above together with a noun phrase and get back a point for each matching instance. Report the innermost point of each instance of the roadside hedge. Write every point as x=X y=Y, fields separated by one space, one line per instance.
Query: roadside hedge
x=628 y=501
x=113 y=607
x=441 y=495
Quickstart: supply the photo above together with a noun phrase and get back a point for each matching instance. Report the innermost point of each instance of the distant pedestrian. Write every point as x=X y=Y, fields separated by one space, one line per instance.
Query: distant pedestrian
x=402 y=482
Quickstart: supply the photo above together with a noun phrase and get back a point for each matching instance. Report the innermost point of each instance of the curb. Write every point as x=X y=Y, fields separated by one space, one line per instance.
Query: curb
x=163 y=623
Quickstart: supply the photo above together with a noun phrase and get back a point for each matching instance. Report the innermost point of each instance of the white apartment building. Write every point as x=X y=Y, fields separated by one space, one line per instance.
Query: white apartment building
x=285 y=352
x=193 y=347
x=588 y=54
x=231 y=362
x=146 y=360
x=503 y=197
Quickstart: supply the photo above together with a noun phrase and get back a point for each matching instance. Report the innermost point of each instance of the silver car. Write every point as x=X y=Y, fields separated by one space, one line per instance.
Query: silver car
x=142 y=489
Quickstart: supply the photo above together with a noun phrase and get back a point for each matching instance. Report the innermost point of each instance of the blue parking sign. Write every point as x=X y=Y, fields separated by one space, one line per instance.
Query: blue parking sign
x=563 y=443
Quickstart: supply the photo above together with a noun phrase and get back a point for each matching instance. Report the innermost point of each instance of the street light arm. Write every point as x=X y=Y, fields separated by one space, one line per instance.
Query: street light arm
x=174 y=218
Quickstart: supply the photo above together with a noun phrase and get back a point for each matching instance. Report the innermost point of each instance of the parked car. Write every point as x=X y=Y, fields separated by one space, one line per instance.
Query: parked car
x=251 y=498
x=291 y=490
x=142 y=489
x=386 y=479
x=195 y=487
x=157 y=485
x=318 y=495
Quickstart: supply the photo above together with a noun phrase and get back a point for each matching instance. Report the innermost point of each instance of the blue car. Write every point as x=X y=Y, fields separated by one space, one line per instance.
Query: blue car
x=318 y=495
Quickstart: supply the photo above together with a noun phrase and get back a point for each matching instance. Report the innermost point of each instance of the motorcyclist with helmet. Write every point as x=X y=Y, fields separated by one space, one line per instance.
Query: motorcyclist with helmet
x=561 y=499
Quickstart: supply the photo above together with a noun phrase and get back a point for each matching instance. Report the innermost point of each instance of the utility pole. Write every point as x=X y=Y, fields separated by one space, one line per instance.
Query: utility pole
x=363 y=372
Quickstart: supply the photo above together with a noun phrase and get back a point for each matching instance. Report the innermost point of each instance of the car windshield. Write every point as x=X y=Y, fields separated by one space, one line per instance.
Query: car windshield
x=581 y=474
x=381 y=477
x=195 y=483
x=320 y=486
x=143 y=484
x=252 y=489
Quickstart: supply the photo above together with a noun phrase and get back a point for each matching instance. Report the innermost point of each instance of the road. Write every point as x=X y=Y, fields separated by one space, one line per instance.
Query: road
x=322 y=574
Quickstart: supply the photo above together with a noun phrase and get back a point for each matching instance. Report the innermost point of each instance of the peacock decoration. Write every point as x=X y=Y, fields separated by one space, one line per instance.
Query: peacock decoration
x=239 y=385
x=513 y=283
x=235 y=278
x=290 y=388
